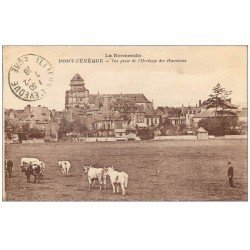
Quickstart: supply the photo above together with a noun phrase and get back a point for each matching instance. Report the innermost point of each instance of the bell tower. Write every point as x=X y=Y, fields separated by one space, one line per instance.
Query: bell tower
x=78 y=95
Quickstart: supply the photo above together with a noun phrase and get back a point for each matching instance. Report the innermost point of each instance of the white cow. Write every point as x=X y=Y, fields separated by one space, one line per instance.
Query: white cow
x=117 y=179
x=65 y=165
x=95 y=174
x=29 y=161
x=42 y=165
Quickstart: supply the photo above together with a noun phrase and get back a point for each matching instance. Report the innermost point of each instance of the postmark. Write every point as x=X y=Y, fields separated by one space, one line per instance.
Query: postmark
x=30 y=77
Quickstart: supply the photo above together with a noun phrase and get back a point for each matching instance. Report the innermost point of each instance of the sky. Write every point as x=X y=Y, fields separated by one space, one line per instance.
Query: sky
x=185 y=82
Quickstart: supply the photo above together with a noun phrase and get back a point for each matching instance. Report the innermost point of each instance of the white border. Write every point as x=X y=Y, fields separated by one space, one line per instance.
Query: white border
x=131 y=225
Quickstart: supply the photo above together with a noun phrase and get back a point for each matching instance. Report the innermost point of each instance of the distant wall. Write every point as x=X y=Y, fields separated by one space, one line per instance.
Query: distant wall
x=235 y=137
x=194 y=137
x=176 y=137
x=33 y=141
x=93 y=139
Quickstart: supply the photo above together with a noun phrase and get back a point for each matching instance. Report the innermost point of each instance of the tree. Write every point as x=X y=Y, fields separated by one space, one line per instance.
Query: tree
x=25 y=128
x=160 y=109
x=127 y=117
x=217 y=98
x=145 y=134
x=75 y=126
x=183 y=128
x=211 y=125
x=35 y=133
x=163 y=130
x=64 y=127
x=223 y=108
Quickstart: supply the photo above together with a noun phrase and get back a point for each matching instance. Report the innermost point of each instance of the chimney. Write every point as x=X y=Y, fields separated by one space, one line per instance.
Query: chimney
x=53 y=113
x=199 y=103
x=28 y=108
x=106 y=101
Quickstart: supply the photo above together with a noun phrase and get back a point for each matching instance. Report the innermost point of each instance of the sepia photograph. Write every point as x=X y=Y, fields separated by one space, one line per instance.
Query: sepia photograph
x=125 y=123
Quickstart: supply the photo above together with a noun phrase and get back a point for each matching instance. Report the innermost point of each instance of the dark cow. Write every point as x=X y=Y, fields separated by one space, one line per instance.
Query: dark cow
x=32 y=169
x=8 y=166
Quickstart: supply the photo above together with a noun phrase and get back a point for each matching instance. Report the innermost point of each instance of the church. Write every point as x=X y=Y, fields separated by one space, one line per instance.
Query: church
x=108 y=113
x=78 y=97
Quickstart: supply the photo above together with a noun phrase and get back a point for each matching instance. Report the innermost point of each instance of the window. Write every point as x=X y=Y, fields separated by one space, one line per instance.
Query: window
x=120 y=134
x=118 y=125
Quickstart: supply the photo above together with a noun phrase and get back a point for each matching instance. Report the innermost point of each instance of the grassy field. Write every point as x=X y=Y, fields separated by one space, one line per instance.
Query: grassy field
x=189 y=171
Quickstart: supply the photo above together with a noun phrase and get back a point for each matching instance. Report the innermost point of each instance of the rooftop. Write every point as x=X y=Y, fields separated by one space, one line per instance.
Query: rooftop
x=77 y=80
x=119 y=98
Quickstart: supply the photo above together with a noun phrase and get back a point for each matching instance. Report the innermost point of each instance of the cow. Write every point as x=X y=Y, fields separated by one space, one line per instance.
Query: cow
x=33 y=169
x=118 y=179
x=65 y=165
x=95 y=174
x=8 y=167
x=42 y=165
x=28 y=161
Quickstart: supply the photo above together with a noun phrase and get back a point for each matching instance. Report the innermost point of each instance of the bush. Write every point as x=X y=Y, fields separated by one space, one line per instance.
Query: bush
x=219 y=126
x=146 y=134
x=35 y=133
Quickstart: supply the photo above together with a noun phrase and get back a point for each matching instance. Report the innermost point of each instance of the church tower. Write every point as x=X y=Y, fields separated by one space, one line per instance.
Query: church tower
x=78 y=95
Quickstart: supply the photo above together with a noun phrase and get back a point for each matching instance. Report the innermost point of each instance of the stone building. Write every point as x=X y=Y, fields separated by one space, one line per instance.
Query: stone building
x=78 y=95
x=107 y=111
x=39 y=117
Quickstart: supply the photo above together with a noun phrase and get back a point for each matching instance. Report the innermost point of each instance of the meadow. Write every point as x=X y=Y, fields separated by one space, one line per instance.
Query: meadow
x=158 y=170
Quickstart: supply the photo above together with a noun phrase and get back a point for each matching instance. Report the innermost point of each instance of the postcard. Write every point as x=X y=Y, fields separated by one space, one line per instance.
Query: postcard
x=125 y=123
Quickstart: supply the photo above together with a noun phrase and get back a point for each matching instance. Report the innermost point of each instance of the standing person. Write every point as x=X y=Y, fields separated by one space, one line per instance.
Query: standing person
x=230 y=173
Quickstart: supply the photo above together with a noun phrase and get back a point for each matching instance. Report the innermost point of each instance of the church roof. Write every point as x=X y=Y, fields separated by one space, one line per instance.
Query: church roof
x=119 y=98
x=77 y=77
x=77 y=80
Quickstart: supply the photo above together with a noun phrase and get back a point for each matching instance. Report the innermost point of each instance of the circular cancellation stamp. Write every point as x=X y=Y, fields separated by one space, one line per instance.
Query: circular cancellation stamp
x=30 y=77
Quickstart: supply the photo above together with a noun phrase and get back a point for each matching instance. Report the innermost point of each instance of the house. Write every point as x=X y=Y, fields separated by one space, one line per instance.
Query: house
x=107 y=122
x=202 y=134
x=175 y=117
x=131 y=132
x=120 y=134
x=152 y=118
x=242 y=118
